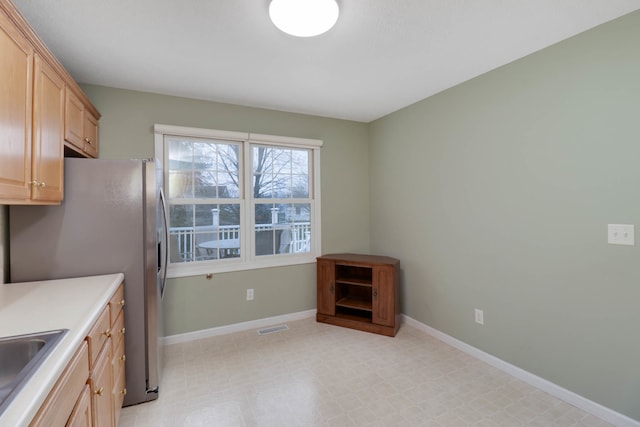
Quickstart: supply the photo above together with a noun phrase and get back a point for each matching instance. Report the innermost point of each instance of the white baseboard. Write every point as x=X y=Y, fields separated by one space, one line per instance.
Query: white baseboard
x=570 y=397
x=237 y=327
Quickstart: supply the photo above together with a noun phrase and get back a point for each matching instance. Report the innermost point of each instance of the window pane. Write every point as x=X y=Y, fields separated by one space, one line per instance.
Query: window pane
x=220 y=236
x=181 y=155
x=300 y=186
x=280 y=172
x=282 y=228
x=203 y=169
x=181 y=238
x=204 y=232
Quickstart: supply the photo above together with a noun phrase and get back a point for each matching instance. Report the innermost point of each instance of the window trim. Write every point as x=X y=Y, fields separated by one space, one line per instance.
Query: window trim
x=248 y=260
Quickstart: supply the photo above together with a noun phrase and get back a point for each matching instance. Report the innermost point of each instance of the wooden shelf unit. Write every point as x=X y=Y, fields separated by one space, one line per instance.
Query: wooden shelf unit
x=359 y=292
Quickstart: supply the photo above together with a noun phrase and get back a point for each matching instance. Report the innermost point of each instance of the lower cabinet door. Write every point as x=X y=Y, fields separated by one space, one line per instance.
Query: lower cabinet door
x=81 y=415
x=383 y=300
x=326 y=287
x=101 y=383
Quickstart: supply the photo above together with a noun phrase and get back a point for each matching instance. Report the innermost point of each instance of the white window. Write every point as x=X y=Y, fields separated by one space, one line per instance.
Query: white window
x=237 y=200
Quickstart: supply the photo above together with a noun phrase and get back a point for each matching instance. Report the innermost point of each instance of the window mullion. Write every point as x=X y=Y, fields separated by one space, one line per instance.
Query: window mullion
x=247 y=208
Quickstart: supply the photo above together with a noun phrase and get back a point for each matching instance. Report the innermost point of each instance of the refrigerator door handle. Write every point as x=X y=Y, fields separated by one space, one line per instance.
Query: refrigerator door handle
x=165 y=230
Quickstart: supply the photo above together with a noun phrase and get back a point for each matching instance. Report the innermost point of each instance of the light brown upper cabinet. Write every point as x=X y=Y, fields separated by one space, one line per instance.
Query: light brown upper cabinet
x=16 y=98
x=47 y=173
x=34 y=91
x=80 y=126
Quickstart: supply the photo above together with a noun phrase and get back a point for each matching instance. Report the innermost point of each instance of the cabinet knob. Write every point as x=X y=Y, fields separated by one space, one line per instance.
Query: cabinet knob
x=121 y=303
x=107 y=333
x=331 y=288
x=123 y=358
x=375 y=292
x=99 y=391
x=122 y=331
x=123 y=392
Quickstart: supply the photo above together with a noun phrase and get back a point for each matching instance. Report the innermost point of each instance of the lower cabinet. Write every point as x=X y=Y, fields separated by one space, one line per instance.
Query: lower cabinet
x=359 y=292
x=91 y=389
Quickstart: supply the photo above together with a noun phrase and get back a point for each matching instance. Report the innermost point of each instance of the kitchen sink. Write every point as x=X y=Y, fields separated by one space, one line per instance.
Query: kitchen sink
x=20 y=357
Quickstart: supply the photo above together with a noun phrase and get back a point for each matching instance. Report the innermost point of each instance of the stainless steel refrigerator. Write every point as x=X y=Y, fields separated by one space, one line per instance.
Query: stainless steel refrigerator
x=112 y=219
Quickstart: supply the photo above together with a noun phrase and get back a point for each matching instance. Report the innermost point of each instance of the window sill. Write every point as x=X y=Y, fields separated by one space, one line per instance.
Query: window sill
x=231 y=265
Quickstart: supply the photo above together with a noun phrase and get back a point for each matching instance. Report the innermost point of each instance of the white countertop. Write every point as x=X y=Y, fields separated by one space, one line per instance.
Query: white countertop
x=30 y=307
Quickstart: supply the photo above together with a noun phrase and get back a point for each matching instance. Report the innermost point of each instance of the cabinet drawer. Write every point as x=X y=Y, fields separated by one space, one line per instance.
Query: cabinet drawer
x=118 y=342
x=116 y=304
x=118 y=330
x=62 y=399
x=98 y=335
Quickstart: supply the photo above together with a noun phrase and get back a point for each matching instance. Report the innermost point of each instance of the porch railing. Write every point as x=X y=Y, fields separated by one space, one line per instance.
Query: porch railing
x=184 y=241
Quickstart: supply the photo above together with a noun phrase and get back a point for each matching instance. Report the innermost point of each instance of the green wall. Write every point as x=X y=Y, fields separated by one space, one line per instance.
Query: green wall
x=195 y=303
x=496 y=194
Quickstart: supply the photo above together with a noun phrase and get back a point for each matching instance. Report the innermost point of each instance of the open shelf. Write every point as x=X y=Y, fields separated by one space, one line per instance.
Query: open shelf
x=356 y=282
x=355 y=302
x=353 y=274
x=353 y=315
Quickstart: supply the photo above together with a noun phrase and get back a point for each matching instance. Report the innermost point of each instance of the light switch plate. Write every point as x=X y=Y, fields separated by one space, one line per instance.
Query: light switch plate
x=620 y=234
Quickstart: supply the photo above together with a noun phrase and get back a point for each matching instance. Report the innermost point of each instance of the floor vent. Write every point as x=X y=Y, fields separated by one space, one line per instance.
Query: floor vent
x=272 y=329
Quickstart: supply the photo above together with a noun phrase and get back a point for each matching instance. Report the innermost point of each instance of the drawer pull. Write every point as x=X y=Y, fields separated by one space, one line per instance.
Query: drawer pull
x=123 y=358
x=122 y=331
x=99 y=391
x=107 y=333
x=123 y=392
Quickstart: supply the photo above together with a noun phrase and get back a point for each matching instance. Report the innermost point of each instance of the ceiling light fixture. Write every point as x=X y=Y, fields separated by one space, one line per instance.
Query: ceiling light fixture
x=304 y=18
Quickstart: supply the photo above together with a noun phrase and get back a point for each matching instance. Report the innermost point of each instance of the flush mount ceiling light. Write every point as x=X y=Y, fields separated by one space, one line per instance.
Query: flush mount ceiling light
x=304 y=18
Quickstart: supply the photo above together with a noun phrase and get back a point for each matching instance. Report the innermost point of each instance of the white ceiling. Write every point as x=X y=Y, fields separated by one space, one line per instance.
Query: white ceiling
x=382 y=55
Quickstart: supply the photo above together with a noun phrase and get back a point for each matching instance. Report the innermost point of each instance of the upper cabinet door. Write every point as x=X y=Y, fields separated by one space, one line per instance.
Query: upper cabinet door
x=90 y=134
x=80 y=126
x=48 y=134
x=16 y=77
x=74 y=120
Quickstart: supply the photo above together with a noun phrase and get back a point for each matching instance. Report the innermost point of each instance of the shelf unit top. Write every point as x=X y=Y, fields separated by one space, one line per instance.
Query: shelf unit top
x=361 y=259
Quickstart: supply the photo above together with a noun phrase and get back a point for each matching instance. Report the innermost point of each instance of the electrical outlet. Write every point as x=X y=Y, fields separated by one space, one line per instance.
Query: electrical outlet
x=249 y=294
x=479 y=316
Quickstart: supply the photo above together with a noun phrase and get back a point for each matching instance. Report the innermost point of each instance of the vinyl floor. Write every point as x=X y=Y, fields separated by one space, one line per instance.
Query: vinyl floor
x=321 y=375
